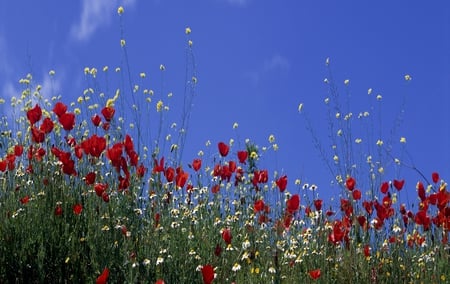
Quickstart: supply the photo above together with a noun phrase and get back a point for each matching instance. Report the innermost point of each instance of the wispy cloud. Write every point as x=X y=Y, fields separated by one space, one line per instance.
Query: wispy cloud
x=275 y=63
x=95 y=14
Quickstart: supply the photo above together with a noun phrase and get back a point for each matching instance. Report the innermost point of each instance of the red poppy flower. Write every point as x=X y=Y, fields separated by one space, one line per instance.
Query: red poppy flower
x=77 y=208
x=140 y=171
x=356 y=194
x=366 y=250
x=398 y=184
x=282 y=183
x=105 y=197
x=218 y=250
x=362 y=221
x=318 y=204
x=34 y=114
x=3 y=164
x=314 y=274
x=242 y=156
x=223 y=149
x=368 y=205
x=90 y=178
x=67 y=121
x=37 y=136
x=293 y=204
x=58 y=210
x=207 y=274
x=96 y=120
x=435 y=177
x=103 y=278
x=421 y=191
x=108 y=113
x=18 y=150
x=226 y=236
x=100 y=188
x=158 y=168
x=160 y=281
x=196 y=164
x=59 y=109
x=350 y=183
x=258 y=206
x=169 y=173
x=94 y=146
x=181 y=178
x=215 y=188
x=384 y=187
x=25 y=199
x=47 y=125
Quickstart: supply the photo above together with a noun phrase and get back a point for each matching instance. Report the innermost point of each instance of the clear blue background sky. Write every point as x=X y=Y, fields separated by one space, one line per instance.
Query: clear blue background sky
x=256 y=61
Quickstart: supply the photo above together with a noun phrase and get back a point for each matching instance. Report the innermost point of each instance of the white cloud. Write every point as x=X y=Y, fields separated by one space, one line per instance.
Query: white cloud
x=275 y=63
x=96 y=14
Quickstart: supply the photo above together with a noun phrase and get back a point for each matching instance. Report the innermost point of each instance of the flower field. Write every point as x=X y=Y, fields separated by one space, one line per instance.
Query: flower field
x=98 y=190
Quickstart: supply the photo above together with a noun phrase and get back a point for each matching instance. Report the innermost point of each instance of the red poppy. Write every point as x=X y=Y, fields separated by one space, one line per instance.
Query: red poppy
x=108 y=113
x=314 y=274
x=258 y=206
x=59 y=109
x=18 y=150
x=293 y=204
x=25 y=199
x=318 y=204
x=128 y=143
x=94 y=146
x=398 y=184
x=160 y=281
x=67 y=121
x=346 y=207
x=218 y=250
x=350 y=183
x=366 y=250
x=223 y=149
x=181 y=178
x=362 y=221
x=3 y=164
x=37 y=136
x=368 y=205
x=158 y=168
x=384 y=187
x=421 y=191
x=58 y=210
x=242 y=156
x=34 y=114
x=103 y=278
x=196 y=164
x=100 y=188
x=96 y=120
x=282 y=183
x=215 y=188
x=105 y=197
x=207 y=274
x=356 y=194
x=47 y=125
x=77 y=208
x=90 y=178
x=169 y=173
x=226 y=236
x=140 y=171
x=435 y=177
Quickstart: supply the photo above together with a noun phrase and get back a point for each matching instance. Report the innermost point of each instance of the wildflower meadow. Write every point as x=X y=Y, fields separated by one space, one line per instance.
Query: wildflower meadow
x=99 y=190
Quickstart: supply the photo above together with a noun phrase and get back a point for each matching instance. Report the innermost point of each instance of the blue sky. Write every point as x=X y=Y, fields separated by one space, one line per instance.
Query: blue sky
x=255 y=62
